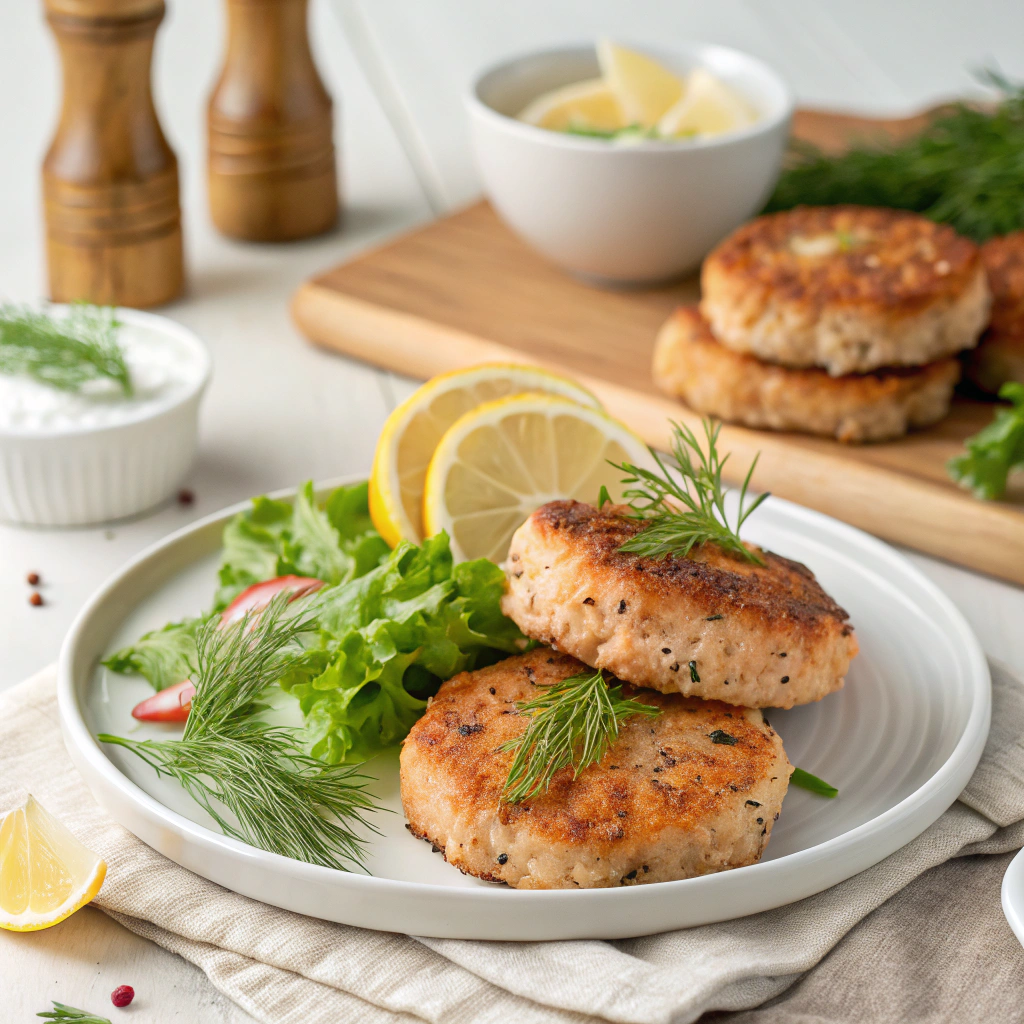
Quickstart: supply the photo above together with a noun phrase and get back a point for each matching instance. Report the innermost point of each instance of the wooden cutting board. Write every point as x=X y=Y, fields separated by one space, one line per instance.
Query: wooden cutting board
x=464 y=290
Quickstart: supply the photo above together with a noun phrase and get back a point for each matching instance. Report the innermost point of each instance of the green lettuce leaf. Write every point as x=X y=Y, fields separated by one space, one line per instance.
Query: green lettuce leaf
x=276 y=538
x=164 y=656
x=392 y=636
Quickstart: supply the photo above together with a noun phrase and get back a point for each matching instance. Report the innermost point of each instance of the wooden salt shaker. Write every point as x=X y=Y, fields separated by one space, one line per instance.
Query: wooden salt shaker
x=271 y=165
x=110 y=181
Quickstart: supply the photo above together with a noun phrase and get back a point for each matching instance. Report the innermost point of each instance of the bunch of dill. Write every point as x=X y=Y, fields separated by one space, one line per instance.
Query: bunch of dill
x=966 y=169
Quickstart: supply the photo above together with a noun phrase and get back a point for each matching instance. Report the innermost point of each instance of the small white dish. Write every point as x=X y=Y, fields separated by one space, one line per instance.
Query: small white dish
x=638 y=214
x=1012 y=895
x=75 y=460
x=900 y=741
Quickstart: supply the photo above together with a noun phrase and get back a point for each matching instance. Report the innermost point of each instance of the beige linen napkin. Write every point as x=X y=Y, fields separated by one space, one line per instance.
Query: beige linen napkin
x=937 y=949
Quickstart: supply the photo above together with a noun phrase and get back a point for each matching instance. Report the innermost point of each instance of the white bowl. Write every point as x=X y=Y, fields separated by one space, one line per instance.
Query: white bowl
x=635 y=214
x=76 y=474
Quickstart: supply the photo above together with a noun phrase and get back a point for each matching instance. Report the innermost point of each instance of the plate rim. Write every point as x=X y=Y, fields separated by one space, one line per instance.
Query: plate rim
x=928 y=801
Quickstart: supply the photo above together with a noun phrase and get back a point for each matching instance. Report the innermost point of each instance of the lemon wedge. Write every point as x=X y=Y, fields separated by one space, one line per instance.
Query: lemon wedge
x=707 y=107
x=413 y=430
x=589 y=104
x=46 y=874
x=645 y=90
x=503 y=460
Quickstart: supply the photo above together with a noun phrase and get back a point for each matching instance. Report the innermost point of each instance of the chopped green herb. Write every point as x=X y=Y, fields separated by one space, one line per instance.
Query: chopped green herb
x=572 y=723
x=714 y=618
x=694 y=678
x=995 y=451
x=63 y=352
x=805 y=780
x=718 y=736
x=681 y=514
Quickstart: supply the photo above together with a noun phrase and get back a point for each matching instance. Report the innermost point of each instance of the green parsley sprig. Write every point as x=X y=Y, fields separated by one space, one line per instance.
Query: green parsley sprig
x=572 y=723
x=253 y=778
x=963 y=169
x=63 y=352
x=995 y=451
x=679 y=514
x=61 y=1011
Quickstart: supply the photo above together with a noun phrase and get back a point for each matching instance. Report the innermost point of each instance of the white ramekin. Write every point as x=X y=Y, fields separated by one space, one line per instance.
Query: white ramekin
x=88 y=475
x=638 y=214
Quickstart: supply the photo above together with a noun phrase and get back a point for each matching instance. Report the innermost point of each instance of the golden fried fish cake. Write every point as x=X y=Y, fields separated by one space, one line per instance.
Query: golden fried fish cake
x=846 y=288
x=693 y=791
x=710 y=378
x=711 y=625
x=999 y=356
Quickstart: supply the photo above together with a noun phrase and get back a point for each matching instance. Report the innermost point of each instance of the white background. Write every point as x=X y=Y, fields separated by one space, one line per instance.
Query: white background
x=278 y=411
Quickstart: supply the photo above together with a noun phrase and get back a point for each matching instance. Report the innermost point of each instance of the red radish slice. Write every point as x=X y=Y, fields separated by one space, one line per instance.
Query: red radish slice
x=259 y=595
x=170 y=705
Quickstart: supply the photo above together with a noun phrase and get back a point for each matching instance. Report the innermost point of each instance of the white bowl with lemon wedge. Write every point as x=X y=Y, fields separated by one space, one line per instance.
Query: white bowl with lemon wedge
x=628 y=167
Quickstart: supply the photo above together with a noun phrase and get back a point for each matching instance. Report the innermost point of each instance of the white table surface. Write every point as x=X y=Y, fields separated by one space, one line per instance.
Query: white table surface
x=278 y=411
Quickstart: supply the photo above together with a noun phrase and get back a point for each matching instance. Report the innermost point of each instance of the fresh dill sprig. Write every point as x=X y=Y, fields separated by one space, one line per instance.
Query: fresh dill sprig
x=61 y=1011
x=63 y=352
x=995 y=451
x=572 y=723
x=253 y=778
x=681 y=514
x=965 y=168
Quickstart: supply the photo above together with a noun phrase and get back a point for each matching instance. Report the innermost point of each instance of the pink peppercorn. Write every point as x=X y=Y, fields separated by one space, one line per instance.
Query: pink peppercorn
x=122 y=995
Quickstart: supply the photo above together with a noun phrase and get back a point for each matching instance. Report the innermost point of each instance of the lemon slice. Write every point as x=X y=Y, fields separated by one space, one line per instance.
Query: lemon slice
x=645 y=90
x=589 y=104
x=414 y=428
x=707 y=107
x=505 y=459
x=46 y=874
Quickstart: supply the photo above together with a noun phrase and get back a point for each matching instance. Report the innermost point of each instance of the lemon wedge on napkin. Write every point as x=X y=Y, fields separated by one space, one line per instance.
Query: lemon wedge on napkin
x=503 y=460
x=413 y=430
x=46 y=874
x=645 y=90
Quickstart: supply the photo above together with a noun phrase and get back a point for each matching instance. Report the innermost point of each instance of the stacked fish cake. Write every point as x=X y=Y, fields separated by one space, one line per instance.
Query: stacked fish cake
x=694 y=776
x=842 y=321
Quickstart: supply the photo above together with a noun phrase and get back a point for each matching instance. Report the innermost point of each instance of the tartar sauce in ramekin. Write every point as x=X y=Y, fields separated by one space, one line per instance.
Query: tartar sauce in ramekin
x=163 y=369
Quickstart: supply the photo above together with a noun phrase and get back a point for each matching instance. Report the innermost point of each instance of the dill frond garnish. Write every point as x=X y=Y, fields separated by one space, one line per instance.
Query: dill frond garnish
x=61 y=1011
x=963 y=169
x=254 y=779
x=679 y=514
x=63 y=352
x=571 y=723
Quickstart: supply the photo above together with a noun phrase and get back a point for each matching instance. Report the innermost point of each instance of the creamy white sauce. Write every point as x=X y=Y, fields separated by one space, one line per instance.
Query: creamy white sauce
x=163 y=369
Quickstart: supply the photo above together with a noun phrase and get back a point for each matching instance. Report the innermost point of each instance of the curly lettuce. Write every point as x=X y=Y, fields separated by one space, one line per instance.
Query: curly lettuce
x=390 y=638
x=392 y=625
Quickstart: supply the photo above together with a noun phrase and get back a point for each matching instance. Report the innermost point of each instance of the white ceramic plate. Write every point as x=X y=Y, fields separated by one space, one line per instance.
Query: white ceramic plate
x=900 y=741
x=1013 y=895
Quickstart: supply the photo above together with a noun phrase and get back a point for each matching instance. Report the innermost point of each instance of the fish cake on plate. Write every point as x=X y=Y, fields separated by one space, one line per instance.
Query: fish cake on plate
x=710 y=625
x=710 y=378
x=847 y=288
x=999 y=356
x=695 y=790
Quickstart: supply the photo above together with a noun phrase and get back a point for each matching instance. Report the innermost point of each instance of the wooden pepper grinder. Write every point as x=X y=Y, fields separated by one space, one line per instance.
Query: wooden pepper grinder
x=271 y=166
x=110 y=181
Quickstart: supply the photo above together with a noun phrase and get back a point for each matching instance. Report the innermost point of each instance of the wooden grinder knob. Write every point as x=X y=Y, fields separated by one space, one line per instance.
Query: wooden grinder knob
x=110 y=181
x=271 y=170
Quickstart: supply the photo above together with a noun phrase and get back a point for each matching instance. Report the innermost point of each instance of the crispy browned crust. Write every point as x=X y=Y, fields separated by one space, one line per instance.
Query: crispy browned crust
x=665 y=802
x=690 y=364
x=898 y=261
x=847 y=288
x=759 y=636
x=999 y=356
